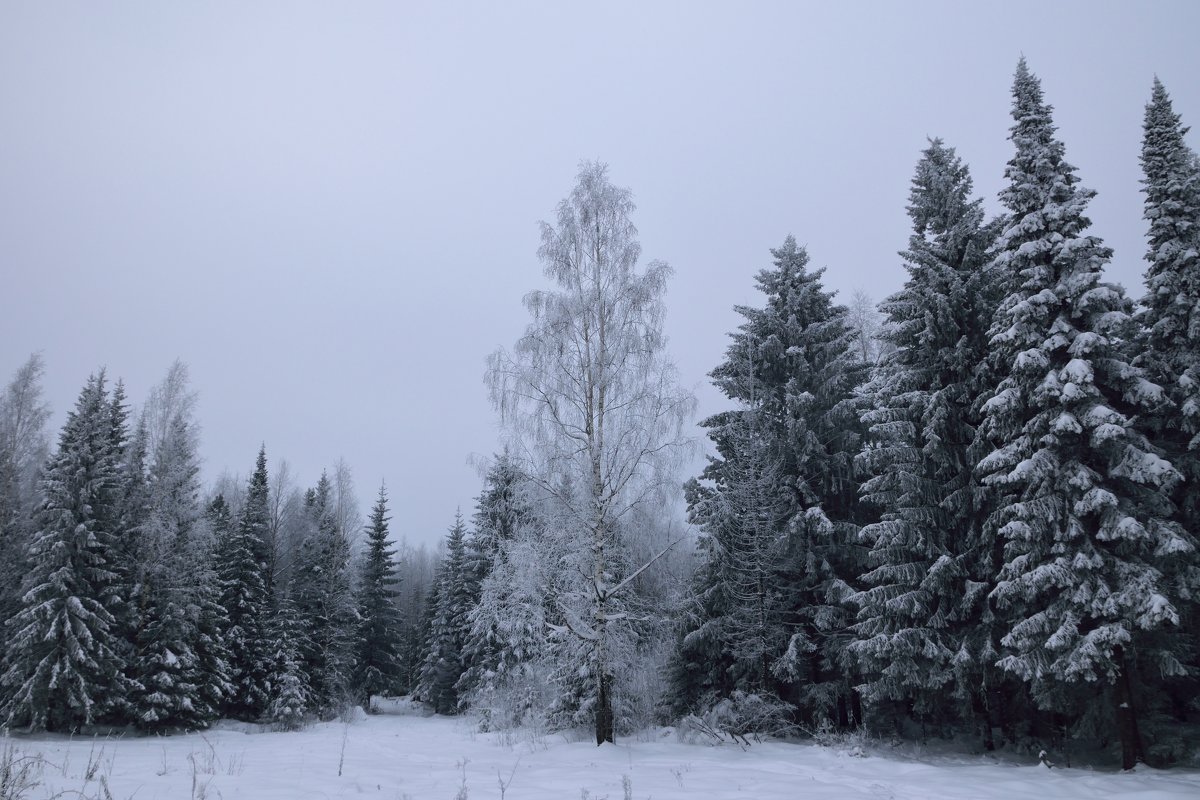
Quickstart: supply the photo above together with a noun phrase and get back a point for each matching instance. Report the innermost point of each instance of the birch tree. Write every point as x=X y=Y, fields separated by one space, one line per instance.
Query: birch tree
x=23 y=450
x=590 y=399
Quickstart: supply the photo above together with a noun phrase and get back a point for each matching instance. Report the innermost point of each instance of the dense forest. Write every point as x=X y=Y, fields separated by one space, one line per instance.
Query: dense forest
x=971 y=512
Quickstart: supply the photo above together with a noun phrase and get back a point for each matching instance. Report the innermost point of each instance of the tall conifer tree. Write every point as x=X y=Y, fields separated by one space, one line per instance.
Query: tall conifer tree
x=377 y=670
x=1081 y=512
x=241 y=567
x=1169 y=347
x=923 y=622
x=325 y=603
x=501 y=511
x=793 y=369
x=64 y=667
x=449 y=624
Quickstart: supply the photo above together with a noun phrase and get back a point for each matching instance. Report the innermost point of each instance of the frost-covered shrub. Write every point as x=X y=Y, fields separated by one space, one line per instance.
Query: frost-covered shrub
x=288 y=708
x=737 y=718
x=516 y=699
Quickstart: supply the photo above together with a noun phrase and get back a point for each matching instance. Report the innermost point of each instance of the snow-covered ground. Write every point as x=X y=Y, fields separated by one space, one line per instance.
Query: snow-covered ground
x=394 y=757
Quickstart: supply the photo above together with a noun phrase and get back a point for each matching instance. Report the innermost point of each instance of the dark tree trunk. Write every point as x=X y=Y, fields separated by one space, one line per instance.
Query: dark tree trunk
x=856 y=708
x=1127 y=727
x=604 y=712
x=984 y=714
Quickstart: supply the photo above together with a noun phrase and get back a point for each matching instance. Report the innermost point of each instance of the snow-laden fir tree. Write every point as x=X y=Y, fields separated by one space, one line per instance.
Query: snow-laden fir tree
x=290 y=697
x=377 y=667
x=168 y=664
x=241 y=565
x=130 y=554
x=501 y=509
x=215 y=689
x=741 y=614
x=1168 y=347
x=701 y=670
x=417 y=631
x=923 y=625
x=1081 y=512
x=517 y=608
x=509 y=654
x=325 y=603
x=793 y=369
x=125 y=518
x=168 y=670
x=63 y=666
x=449 y=624
x=23 y=451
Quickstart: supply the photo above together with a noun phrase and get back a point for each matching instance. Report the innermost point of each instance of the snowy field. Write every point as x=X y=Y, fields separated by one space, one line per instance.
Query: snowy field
x=398 y=757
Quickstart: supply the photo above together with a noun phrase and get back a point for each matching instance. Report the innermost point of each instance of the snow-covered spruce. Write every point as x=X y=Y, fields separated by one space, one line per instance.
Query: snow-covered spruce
x=508 y=600
x=241 y=565
x=321 y=590
x=289 y=694
x=63 y=667
x=1168 y=347
x=449 y=626
x=377 y=662
x=924 y=629
x=779 y=505
x=1081 y=508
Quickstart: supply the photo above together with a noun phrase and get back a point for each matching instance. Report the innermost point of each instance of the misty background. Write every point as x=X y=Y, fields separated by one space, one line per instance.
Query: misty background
x=329 y=213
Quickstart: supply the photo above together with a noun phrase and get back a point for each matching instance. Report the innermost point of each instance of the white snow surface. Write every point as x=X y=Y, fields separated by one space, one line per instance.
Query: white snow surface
x=398 y=756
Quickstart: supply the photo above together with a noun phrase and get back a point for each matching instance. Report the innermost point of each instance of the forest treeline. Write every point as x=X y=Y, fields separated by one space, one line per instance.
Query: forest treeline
x=977 y=517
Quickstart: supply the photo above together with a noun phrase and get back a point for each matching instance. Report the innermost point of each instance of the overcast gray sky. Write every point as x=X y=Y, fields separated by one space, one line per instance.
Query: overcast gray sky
x=329 y=210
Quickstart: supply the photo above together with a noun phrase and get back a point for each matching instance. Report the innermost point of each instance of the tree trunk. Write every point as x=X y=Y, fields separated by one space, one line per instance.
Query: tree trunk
x=984 y=714
x=1127 y=727
x=604 y=712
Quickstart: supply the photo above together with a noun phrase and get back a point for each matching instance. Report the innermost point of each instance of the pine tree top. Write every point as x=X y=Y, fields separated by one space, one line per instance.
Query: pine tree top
x=792 y=341
x=378 y=528
x=941 y=190
x=1038 y=171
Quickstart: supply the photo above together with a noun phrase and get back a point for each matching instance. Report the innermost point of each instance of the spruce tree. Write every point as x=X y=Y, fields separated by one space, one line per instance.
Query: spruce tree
x=241 y=569
x=701 y=670
x=130 y=553
x=63 y=667
x=1170 y=346
x=215 y=689
x=501 y=511
x=1080 y=508
x=168 y=665
x=1169 y=351
x=509 y=647
x=443 y=662
x=923 y=622
x=325 y=603
x=744 y=515
x=377 y=670
x=290 y=697
x=793 y=370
